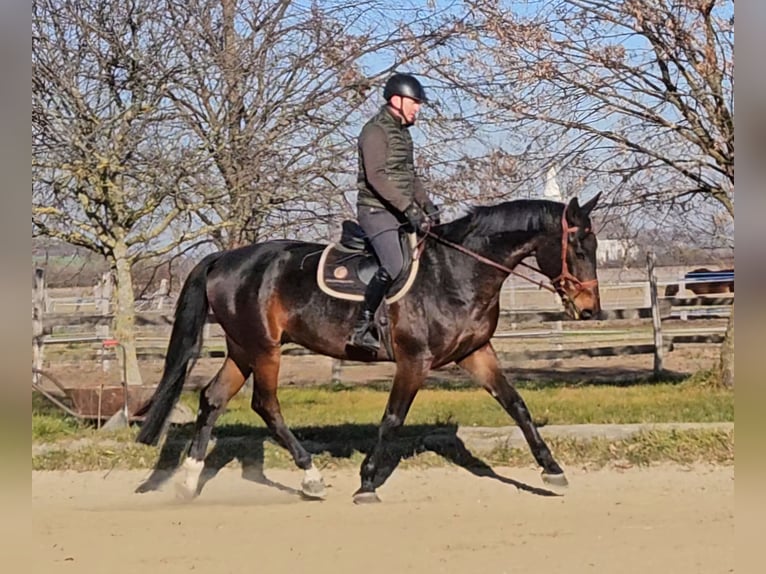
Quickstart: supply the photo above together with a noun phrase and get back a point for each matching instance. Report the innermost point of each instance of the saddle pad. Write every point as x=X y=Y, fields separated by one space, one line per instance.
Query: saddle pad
x=344 y=273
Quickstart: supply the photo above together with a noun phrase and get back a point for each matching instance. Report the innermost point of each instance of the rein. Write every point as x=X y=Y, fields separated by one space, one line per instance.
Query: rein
x=564 y=276
x=491 y=263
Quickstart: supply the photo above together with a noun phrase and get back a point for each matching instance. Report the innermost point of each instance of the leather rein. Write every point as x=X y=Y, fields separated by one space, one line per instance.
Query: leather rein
x=564 y=276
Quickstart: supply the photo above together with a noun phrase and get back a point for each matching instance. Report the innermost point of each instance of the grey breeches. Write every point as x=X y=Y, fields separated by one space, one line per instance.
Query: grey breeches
x=382 y=229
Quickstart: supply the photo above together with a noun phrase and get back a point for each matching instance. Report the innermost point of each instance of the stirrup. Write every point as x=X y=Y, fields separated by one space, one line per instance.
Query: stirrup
x=365 y=339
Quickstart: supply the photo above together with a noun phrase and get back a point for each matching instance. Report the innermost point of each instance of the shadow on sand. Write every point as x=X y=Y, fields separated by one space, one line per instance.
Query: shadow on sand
x=246 y=445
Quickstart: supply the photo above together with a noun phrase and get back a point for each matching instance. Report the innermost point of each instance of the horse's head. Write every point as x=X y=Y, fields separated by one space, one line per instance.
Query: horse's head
x=568 y=258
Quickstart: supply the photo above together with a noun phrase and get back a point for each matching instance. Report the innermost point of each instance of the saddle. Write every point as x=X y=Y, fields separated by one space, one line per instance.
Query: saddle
x=346 y=267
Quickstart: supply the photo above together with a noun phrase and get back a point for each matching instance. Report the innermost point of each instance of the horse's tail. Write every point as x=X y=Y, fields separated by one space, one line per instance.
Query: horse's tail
x=185 y=343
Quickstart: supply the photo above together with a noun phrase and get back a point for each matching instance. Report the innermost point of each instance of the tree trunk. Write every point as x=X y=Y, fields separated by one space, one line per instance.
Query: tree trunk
x=125 y=314
x=726 y=364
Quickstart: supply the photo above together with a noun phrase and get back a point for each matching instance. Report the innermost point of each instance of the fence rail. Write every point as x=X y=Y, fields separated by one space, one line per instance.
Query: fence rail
x=560 y=337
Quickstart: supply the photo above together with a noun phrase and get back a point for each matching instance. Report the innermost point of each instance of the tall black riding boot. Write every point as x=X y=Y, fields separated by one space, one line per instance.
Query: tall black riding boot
x=365 y=335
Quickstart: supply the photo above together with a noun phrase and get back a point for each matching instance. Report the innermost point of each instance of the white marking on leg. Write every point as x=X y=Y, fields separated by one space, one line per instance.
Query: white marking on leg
x=313 y=483
x=192 y=470
x=312 y=474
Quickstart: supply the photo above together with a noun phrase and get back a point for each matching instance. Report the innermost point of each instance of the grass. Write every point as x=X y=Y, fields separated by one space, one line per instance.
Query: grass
x=691 y=401
x=642 y=449
x=322 y=416
x=474 y=407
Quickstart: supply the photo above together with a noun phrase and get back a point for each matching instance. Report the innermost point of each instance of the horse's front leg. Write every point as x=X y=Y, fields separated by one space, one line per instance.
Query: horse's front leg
x=409 y=377
x=483 y=366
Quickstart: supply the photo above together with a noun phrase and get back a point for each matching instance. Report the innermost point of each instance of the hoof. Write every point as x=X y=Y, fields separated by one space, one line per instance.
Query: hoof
x=144 y=488
x=366 y=498
x=187 y=483
x=184 y=492
x=313 y=489
x=559 y=480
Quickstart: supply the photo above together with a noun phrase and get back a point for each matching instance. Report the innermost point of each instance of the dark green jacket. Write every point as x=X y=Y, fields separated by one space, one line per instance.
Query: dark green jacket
x=386 y=175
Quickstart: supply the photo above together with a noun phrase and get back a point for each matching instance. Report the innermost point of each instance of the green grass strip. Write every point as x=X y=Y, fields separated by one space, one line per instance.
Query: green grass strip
x=322 y=406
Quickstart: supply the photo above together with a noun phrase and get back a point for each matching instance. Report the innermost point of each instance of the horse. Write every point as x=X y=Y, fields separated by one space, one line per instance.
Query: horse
x=265 y=294
x=703 y=287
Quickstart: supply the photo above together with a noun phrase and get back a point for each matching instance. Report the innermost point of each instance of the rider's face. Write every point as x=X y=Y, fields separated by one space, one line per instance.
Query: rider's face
x=407 y=107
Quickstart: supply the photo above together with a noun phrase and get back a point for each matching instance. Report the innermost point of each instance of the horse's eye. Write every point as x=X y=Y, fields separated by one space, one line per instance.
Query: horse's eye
x=575 y=242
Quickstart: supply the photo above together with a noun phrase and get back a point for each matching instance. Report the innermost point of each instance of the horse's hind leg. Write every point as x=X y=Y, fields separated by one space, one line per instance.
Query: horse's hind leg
x=212 y=401
x=410 y=374
x=266 y=404
x=483 y=366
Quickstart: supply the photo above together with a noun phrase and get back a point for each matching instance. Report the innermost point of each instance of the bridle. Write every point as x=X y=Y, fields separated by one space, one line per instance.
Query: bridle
x=557 y=284
x=565 y=275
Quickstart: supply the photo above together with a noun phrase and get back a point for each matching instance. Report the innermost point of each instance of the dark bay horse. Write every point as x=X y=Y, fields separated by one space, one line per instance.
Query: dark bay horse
x=264 y=295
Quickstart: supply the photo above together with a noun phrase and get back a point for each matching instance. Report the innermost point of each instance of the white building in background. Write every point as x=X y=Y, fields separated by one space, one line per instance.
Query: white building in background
x=615 y=251
x=609 y=250
x=551 y=190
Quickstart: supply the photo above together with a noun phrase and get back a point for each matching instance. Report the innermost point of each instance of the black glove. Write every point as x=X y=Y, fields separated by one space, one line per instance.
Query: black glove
x=432 y=212
x=415 y=217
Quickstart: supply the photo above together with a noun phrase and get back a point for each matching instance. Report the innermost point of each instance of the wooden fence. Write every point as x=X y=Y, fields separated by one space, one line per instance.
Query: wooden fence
x=531 y=315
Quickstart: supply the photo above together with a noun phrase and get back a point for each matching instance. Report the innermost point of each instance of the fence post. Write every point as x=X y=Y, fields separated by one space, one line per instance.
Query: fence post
x=684 y=314
x=337 y=371
x=648 y=292
x=656 y=319
x=38 y=310
x=103 y=301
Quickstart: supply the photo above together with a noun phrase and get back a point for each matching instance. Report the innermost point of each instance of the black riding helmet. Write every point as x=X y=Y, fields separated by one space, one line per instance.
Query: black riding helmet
x=405 y=85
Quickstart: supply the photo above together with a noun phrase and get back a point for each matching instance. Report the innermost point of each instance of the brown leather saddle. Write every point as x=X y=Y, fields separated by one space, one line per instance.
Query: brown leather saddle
x=346 y=267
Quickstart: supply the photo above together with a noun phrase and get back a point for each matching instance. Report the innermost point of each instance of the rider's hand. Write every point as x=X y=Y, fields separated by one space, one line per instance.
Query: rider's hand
x=432 y=212
x=416 y=217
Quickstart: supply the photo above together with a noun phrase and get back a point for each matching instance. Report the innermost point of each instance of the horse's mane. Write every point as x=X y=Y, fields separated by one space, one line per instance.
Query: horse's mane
x=520 y=215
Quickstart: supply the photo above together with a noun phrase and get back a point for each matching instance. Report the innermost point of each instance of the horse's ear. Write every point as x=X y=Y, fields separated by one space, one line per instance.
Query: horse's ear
x=588 y=207
x=573 y=211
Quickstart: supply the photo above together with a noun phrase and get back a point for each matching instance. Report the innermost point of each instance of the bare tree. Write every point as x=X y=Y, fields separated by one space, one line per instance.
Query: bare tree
x=274 y=91
x=633 y=98
x=110 y=172
x=157 y=122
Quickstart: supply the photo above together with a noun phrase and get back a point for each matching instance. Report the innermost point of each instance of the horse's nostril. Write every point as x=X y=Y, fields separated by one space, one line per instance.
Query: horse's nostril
x=586 y=314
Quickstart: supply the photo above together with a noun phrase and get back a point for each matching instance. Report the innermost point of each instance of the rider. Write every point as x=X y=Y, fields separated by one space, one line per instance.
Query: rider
x=389 y=194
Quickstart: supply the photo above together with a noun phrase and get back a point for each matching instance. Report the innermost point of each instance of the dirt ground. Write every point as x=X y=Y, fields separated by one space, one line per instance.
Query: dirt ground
x=664 y=519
